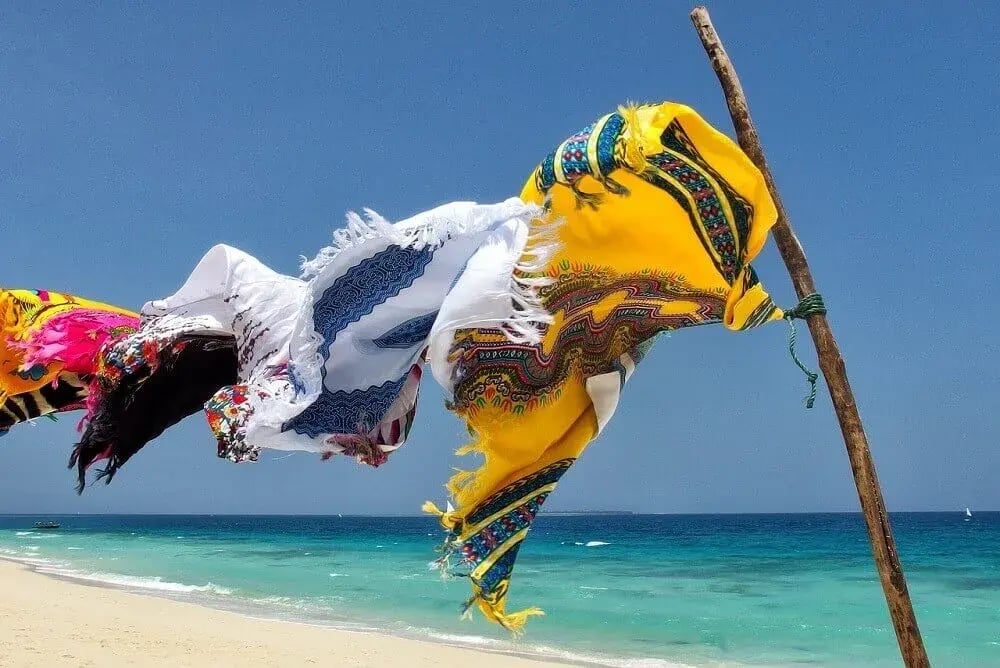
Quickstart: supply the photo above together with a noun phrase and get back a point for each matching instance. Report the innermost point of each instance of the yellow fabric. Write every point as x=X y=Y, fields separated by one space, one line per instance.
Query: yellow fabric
x=652 y=200
x=22 y=311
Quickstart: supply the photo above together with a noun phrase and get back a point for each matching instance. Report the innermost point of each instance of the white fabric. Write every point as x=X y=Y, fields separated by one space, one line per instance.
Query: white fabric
x=247 y=299
x=605 y=390
x=352 y=334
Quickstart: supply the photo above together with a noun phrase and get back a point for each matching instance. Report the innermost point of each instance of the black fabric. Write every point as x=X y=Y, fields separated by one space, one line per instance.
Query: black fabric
x=143 y=405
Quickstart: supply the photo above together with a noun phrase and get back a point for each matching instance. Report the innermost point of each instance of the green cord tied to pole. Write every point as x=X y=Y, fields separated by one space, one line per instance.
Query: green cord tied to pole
x=811 y=304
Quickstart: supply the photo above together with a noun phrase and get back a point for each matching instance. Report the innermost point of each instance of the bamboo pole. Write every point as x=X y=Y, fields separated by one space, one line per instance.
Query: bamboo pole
x=890 y=570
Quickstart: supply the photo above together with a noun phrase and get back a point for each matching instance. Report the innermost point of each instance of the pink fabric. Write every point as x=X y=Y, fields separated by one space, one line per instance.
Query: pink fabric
x=75 y=337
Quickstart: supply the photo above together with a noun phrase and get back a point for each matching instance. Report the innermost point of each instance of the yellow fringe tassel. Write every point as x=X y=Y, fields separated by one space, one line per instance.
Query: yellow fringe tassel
x=459 y=481
x=512 y=621
x=16 y=315
x=449 y=520
x=468 y=449
x=635 y=158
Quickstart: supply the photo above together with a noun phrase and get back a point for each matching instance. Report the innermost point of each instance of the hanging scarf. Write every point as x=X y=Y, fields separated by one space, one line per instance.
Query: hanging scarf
x=329 y=363
x=147 y=382
x=661 y=216
x=48 y=347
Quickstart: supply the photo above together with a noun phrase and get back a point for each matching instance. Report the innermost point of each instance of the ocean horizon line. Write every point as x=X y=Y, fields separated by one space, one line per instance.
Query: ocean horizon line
x=552 y=513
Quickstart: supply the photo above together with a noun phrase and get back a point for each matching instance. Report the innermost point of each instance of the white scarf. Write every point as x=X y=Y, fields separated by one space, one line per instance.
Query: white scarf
x=336 y=356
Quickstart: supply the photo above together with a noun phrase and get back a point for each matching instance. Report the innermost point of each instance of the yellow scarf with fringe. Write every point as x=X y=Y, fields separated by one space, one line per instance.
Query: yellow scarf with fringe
x=661 y=216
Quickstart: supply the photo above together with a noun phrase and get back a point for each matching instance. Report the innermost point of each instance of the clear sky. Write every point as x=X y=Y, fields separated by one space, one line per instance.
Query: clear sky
x=135 y=136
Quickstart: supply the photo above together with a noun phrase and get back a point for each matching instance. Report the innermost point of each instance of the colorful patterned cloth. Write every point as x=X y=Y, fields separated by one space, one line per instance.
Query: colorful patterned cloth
x=48 y=347
x=329 y=363
x=661 y=216
x=145 y=383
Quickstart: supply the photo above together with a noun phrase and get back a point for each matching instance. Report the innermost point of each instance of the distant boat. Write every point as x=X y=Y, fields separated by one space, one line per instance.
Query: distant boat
x=47 y=525
x=968 y=514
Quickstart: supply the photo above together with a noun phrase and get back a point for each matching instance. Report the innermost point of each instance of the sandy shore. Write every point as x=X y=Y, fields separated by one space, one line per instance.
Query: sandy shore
x=48 y=622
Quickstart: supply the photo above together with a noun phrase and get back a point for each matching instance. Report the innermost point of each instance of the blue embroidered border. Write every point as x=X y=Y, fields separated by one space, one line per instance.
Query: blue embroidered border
x=349 y=298
x=344 y=412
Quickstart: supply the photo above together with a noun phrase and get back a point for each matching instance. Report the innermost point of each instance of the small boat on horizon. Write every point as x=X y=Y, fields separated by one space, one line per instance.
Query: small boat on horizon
x=49 y=524
x=968 y=514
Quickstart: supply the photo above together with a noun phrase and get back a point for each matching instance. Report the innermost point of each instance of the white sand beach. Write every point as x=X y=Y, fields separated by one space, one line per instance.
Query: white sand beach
x=46 y=622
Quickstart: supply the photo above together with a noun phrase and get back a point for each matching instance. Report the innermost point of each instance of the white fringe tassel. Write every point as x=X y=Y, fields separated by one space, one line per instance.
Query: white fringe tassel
x=527 y=321
x=357 y=232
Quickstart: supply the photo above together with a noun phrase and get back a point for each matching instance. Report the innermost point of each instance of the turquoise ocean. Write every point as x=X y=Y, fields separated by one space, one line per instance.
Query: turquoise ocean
x=618 y=590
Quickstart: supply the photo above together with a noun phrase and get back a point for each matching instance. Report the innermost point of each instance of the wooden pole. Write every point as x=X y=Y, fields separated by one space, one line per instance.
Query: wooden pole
x=890 y=570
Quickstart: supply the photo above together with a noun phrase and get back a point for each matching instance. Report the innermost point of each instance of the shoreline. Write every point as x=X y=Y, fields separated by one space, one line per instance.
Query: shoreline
x=122 y=622
x=52 y=620
x=549 y=513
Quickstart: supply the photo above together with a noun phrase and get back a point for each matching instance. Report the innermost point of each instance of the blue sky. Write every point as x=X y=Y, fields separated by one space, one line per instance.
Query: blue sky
x=135 y=136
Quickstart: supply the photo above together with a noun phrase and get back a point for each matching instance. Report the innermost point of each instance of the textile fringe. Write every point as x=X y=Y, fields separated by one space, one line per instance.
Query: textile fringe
x=16 y=314
x=528 y=278
x=465 y=483
x=356 y=232
x=463 y=479
x=494 y=611
x=451 y=521
x=493 y=608
x=431 y=233
x=635 y=156
x=631 y=157
x=449 y=518
x=174 y=381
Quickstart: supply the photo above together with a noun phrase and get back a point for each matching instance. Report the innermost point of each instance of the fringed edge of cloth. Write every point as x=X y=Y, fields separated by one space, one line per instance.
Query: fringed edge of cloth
x=527 y=310
x=494 y=606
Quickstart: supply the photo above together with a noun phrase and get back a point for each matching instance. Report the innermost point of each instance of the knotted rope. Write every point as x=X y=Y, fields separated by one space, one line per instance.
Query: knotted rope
x=811 y=304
